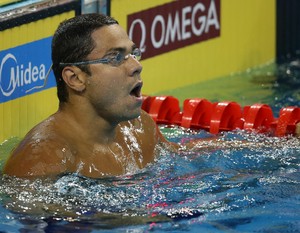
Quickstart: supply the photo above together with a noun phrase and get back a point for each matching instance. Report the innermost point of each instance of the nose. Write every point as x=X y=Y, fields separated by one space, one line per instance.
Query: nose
x=134 y=66
x=133 y=56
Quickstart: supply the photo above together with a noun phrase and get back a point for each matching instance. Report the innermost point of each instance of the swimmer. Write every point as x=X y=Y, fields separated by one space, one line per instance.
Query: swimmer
x=99 y=128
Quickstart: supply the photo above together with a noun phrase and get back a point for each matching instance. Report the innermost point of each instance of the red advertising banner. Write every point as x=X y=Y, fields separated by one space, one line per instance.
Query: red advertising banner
x=174 y=25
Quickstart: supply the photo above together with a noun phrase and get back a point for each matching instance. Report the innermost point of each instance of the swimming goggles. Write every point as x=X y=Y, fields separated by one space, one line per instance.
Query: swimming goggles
x=114 y=59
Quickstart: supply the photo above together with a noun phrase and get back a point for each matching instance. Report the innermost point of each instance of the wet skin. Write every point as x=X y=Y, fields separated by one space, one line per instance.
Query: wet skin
x=101 y=130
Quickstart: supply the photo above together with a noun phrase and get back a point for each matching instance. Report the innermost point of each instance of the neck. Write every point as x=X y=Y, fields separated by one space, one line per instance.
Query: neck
x=87 y=123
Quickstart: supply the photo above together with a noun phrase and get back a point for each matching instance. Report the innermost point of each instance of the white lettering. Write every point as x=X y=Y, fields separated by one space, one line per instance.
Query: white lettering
x=201 y=19
x=173 y=30
x=185 y=22
x=143 y=33
x=159 y=43
x=34 y=74
x=42 y=73
x=177 y=25
x=27 y=74
x=13 y=82
x=20 y=75
x=165 y=31
x=212 y=17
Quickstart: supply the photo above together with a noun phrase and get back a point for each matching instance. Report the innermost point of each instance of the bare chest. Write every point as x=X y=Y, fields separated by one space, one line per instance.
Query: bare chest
x=118 y=158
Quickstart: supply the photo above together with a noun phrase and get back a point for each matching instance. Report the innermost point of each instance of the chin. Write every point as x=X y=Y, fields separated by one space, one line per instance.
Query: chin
x=130 y=115
x=134 y=116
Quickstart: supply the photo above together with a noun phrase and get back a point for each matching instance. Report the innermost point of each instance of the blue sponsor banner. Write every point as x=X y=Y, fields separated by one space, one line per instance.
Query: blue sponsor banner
x=23 y=69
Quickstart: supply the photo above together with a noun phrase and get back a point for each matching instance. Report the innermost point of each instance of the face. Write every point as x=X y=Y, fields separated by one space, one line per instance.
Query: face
x=114 y=91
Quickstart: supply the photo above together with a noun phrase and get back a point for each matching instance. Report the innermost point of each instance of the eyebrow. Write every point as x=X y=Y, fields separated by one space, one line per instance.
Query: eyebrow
x=121 y=49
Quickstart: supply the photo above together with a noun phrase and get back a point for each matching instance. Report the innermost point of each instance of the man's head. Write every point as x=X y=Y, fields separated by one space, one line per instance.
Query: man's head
x=72 y=42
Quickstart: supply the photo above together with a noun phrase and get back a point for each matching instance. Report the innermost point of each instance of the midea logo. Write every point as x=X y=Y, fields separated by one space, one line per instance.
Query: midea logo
x=14 y=75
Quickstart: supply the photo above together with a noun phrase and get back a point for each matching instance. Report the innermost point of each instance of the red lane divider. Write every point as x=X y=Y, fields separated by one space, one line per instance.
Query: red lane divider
x=196 y=113
x=258 y=117
x=163 y=109
x=224 y=116
x=288 y=118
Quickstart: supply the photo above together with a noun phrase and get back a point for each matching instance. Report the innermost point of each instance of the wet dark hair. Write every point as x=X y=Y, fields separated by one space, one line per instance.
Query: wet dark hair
x=72 y=42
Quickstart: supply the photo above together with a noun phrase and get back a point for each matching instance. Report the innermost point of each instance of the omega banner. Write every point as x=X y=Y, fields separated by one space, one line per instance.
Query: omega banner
x=174 y=25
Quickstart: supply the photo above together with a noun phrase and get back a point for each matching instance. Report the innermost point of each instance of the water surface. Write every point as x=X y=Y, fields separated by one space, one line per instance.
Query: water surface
x=242 y=189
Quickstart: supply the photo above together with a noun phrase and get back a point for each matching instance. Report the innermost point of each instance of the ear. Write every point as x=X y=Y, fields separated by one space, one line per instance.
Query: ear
x=74 y=78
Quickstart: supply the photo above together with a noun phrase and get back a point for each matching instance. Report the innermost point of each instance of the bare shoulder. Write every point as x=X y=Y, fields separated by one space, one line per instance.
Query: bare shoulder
x=158 y=135
x=40 y=153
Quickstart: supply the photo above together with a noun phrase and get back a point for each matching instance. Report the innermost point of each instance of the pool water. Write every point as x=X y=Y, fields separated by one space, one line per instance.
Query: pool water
x=242 y=189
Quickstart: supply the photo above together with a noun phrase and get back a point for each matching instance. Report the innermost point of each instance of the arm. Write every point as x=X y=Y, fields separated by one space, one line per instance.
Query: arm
x=39 y=157
x=211 y=143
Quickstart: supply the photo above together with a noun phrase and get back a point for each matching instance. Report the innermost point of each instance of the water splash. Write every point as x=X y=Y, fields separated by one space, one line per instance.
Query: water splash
x=233 y=189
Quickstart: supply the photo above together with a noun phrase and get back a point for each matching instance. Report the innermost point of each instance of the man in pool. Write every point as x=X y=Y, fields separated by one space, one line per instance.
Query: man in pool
x=99 y=129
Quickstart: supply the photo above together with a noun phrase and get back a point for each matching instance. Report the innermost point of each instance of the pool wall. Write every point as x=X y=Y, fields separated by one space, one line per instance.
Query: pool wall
x=245 y=39
x=4 y=2
x=25 y=58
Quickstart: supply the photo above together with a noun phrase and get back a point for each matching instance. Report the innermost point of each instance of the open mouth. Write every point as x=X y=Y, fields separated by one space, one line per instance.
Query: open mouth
x=137 y=90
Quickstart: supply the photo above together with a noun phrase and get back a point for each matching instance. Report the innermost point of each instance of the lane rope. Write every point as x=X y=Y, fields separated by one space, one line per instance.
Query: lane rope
x=199 y=113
